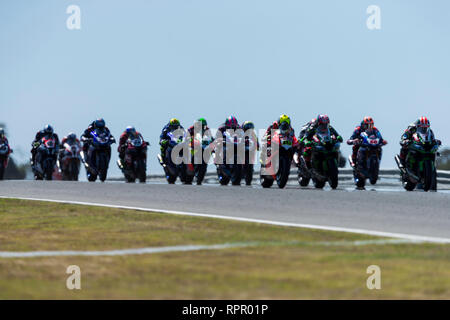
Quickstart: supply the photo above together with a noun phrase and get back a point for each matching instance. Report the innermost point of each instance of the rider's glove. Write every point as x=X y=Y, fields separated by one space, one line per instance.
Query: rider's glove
x=339 y=138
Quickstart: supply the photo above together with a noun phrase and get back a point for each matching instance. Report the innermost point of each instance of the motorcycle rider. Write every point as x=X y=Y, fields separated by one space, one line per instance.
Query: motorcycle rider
x=366 y=125
x=4 y=140
x=321 y=123
x=86 y=136
x=249 y=129
x=47 y=132
x=171 y=126
x=130 y=132
x=284 y=124
x=70 y=139
x=421 y=125
x=205 y=128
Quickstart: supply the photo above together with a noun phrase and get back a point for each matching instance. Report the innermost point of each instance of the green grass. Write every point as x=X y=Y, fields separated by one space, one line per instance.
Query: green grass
x=300 y=270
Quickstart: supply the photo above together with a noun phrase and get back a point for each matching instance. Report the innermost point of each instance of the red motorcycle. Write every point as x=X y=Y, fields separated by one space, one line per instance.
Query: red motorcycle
x=135 y=160
x=70 y=160
x=4 y=157
x=276 y=165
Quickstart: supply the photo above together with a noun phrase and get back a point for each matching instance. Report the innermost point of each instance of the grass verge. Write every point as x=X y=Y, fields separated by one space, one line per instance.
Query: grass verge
x=303 y=269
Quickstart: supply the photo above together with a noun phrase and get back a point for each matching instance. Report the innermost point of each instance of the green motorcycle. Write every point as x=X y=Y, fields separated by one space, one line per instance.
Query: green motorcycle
x=325 y=155
x=420 y=163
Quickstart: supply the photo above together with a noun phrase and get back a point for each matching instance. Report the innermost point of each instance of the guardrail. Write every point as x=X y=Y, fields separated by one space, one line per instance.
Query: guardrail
x=345 y=175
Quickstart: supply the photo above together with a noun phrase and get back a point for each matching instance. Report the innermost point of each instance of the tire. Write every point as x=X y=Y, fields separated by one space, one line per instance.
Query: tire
x=428 y=172
x=409 y=186
x=188 y=179
x=92 y=177
x=319 y=184
x=142 y=171
x=2 y=169
x=102 y=167
x=283 y=172
x=224 y=180
x=333 y=174
x=48 y=172
x=249 y=174
x=75 y=171
x=171 y=179
x=236 y=175
x=200 y=174
x=373 y=170
x=266 y=182
x=360 y=182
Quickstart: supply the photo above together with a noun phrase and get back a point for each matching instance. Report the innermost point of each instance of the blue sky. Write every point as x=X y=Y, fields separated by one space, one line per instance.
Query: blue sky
x=143 y=62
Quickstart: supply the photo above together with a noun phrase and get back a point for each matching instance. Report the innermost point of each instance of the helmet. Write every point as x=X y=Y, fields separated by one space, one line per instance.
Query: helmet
x=423 y=124
x=323 y=121
x=99 y=123
x=174 y=123
x=204 y=123
x=130 y=130
x=275 y=125
x=367 y=123
x=71 y=136
x=231 y=122
x=248 y=125
x=48 y=129
x=284 y=118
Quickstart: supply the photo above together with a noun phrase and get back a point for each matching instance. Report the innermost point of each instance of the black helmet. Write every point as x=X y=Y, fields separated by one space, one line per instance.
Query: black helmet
x=248 y=125
x=99 y=123
x=48 y=129
x=72 y=136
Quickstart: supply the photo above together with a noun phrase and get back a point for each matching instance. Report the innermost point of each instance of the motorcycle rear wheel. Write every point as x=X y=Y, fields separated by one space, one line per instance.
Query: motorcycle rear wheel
x=266 y=182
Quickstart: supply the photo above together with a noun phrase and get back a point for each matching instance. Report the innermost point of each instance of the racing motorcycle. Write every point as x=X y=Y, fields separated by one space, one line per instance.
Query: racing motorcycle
x=200 y=146
x=69 y=163
x=98 y=154
x=325 y=153
x=134 y=165
x=283 y=154
x=248 y=166
x=46 y=154
x=173 y=171
x=230 y=169
x=368 y=159
x=420 y=163
x=4 y=155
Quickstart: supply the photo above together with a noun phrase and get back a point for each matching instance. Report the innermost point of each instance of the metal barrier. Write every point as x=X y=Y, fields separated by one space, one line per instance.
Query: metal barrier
x=345 y=175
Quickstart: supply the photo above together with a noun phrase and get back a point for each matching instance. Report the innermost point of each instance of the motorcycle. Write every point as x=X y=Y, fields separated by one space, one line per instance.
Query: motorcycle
x=248 y=166
x=230 y=169
x=202 y=143
x=368 y=159
x=99 y=153
x=45 y=159
x=184 y=171
x=325 y=153
x=420 y=163
x=69 y=163
x=135 y=160
x=284 y=156
x=4 y=155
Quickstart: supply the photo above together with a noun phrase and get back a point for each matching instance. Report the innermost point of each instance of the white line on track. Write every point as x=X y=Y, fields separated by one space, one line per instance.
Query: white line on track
x=271 y=222
x=150 y=250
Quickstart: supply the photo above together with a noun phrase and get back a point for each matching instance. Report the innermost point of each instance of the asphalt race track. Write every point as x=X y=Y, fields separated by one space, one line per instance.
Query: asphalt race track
x=413 y=213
